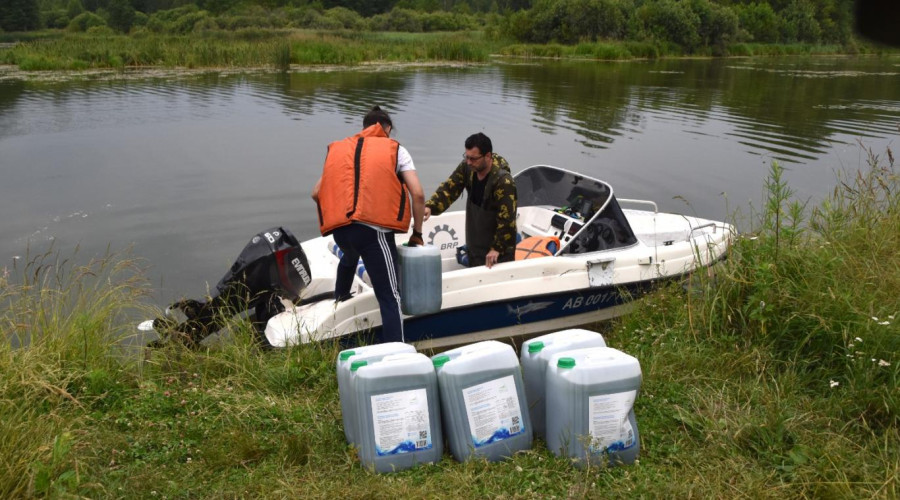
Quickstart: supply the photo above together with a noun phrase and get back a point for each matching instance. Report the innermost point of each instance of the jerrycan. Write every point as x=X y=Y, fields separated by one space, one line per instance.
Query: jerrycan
x=534 y=356
x=420 y=279
x=483 y=401
x=398 y=412
x=369 y=353
x=590 y=406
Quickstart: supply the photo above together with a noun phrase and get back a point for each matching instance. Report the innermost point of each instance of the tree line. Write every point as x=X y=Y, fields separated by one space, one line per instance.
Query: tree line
x=691 y=24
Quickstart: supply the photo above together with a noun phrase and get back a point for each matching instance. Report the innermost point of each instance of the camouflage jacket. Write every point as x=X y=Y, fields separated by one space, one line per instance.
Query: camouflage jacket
x=502 y=200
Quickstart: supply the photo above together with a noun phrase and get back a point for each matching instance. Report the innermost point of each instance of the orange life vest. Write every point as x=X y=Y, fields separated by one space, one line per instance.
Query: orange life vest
x=537 y=246
x=360 y=183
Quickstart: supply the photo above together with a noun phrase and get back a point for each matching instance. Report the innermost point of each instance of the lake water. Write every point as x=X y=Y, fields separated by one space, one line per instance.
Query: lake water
x=187 y=169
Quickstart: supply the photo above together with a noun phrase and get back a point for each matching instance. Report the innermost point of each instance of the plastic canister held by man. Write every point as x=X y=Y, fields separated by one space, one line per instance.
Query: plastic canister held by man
x=420 y=279
x=398 y=412
x=591 y=393
x=483 y=401
x=534 y=356
x=369 y=353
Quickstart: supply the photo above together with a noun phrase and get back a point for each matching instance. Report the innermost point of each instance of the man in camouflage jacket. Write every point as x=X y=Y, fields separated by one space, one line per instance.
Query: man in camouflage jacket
x=490 y=205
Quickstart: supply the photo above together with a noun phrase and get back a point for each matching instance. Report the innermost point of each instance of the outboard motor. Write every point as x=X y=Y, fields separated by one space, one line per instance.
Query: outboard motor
x=270 y=267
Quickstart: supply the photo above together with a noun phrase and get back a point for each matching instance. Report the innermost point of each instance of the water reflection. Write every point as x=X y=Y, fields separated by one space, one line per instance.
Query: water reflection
x=787 y=111
x=188 y=168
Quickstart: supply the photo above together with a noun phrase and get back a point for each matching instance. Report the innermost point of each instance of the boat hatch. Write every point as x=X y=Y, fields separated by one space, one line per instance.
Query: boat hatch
x=587 y=214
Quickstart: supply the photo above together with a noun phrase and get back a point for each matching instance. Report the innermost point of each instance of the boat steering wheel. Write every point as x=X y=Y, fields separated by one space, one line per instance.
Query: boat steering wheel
x=599 y=236
x=606 y=236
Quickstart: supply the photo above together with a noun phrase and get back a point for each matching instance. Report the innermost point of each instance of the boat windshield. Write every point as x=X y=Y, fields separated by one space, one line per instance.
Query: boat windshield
x=585 y=206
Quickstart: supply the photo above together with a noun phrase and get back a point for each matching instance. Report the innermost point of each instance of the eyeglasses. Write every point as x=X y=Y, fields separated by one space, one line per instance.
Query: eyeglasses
x=472 y=158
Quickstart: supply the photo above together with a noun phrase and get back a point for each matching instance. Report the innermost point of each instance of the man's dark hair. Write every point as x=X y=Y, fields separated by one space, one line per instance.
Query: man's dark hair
x=480 y=141
x=377 y=115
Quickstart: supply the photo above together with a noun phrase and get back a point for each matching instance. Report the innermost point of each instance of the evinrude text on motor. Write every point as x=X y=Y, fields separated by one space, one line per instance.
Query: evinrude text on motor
x=271 y=266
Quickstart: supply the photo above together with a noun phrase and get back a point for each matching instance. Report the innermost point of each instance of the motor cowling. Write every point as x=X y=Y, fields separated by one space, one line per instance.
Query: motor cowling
x=273 y=261
x=270 y=267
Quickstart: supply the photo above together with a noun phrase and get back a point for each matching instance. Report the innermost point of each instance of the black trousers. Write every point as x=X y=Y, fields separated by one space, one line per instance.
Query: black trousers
x=379 y=254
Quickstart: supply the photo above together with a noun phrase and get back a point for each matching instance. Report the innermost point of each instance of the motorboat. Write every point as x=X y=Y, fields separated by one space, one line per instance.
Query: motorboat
x=604 y=253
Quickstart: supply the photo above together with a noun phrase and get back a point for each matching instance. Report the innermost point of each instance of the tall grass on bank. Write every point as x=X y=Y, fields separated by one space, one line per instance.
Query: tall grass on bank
x=775 y=378
x=281 y=48
x=59 y=322
x=624 y=50
x=246 y=48
x=783 y=370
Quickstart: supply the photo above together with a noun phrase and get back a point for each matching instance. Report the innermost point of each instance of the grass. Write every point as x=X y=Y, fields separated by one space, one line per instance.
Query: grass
x=248 y=48
x=281 y=48
x=775 y=378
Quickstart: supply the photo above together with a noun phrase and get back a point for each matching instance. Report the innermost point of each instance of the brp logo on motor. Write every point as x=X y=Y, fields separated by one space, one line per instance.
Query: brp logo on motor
x=443 y=237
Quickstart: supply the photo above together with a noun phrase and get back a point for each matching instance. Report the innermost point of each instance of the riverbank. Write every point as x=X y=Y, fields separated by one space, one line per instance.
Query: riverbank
x=778 y=378
x=288 y=50
x=13 y=73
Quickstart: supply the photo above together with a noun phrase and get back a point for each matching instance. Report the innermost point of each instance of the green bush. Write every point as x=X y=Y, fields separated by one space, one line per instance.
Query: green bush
x=799 y=23
x=179 y=21
x=74 y=8
x=253 y=18
x=346 y=18
x=85 y=21
x=185 y=24
x=205 y=25
x=671 y=21
x=313 y=19
x=404 y=20
x=121 y=15
x=519 y=26
x=760 y=21
x=570 y=21
x=718 y=24
x=56 y=18
x=100 y=30
x=447 y=21
x=140 y=19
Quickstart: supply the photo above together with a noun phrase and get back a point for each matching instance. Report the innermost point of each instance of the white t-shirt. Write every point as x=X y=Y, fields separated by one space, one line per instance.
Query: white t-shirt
x=404 y=160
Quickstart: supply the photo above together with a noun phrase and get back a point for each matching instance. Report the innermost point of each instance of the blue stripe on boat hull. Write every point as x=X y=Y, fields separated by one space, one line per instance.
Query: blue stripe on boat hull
x=532 y=309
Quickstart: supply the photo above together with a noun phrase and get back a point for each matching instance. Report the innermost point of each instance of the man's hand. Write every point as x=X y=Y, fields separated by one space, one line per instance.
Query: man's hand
x=415 y=240
x=426 y=213
x=491 y=258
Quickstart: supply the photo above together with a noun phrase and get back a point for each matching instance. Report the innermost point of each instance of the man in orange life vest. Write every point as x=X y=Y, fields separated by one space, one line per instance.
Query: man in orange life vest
x=363 y=199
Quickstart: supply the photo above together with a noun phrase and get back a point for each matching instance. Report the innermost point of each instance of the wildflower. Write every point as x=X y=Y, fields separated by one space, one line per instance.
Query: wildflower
x=874 y=318
x=882 y=362
x=518 y=469
x=884 y=323
x=891 y=316
x=833 y=383
x=858 y=340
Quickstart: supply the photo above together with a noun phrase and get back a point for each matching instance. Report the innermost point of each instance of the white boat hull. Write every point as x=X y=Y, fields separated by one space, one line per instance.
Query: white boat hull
x=515 y=298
